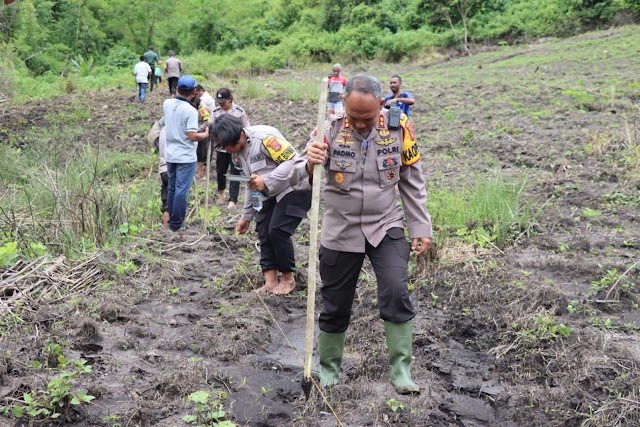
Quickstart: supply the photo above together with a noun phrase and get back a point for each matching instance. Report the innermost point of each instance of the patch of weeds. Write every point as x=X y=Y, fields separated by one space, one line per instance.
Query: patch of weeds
x=582 y=100
x=609 y=279
x=598 y=144
x=541 y=328
x=209 y=410
x=603 y=323
x=265 y=390
x=50 y=404
x=591 y=213
x=618 y=410
x=173 y=291
x=9 y=254
x=448 y=115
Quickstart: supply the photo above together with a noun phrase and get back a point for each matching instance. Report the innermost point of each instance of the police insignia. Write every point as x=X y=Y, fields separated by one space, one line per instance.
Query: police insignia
x=381 y=122
x=345 y=134
x=279 y=149
x=391 y=175
x=346 y=125
x=384 y=133
x=344 y=142
x=343 y=164
x=389 y=162
x=386 y=141
x=339 y=177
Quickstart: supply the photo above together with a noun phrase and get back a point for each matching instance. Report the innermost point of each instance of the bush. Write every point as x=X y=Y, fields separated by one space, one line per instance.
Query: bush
x=121 y=57
x=404 y=45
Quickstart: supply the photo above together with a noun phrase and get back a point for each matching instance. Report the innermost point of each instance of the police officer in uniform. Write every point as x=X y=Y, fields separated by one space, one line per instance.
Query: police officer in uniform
x=224 y=99
x=264 y=154
x=364 y=159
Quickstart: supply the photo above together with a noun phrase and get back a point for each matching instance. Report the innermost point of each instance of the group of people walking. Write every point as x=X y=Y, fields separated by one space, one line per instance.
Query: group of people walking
x=364 y=160
x=149 y=72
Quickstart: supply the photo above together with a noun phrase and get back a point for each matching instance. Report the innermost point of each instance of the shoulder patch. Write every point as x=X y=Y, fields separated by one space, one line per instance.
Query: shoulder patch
x=240 y=108
x=217 y=108
x=410 y=153
x=279 y=149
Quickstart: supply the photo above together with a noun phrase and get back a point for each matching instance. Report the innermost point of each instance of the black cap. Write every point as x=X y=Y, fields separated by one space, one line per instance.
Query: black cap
x=223 y=94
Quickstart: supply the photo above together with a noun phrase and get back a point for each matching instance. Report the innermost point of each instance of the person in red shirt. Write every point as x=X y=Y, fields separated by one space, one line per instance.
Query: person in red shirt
x=336 y=86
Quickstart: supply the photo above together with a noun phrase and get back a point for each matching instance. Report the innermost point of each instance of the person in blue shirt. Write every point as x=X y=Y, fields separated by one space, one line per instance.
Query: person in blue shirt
x=398 y=97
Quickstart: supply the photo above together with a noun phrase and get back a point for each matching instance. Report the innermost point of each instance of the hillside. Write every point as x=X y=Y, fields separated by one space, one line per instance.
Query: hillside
x=530 y=320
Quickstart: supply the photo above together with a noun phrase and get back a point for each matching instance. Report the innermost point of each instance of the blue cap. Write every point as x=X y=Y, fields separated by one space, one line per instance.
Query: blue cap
x=186 y=83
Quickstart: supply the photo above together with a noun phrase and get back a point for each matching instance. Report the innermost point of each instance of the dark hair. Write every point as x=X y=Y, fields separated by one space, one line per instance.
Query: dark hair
x=150 y=47
x=186 y=92
x=143 y=58
x=395 y=76
x=226 y=130
x=200 y=87
x=195 y=101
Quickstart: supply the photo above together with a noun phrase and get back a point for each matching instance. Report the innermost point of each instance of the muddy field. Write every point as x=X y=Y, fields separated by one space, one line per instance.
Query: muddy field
x=540 y=333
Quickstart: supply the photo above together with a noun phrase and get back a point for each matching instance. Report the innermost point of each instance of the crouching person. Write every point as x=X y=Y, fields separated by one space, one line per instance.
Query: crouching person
x=364 y=159
x=262 y=153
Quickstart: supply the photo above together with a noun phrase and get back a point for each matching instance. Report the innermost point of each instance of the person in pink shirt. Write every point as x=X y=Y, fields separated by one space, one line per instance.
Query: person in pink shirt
x=336 y=86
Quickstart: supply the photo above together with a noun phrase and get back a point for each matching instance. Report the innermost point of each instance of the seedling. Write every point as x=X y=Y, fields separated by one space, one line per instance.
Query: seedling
x=395 y=405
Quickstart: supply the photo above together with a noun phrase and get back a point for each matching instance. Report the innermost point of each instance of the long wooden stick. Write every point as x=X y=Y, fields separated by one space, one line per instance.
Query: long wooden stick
x=205 y=221
x=313 y=240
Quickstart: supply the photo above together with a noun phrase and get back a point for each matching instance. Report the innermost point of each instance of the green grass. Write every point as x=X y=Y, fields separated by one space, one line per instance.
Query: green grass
x=492 y=209
x=73 y=205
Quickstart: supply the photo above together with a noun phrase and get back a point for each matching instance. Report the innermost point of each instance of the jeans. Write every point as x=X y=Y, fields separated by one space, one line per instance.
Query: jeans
x=142 y=91
x=180 y=179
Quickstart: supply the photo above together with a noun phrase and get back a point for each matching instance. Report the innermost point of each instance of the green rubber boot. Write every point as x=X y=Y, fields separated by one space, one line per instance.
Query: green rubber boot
x=331 y=348
x=399 y=342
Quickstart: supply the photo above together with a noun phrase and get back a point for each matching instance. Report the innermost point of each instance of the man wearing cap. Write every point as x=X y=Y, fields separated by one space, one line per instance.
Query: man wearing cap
x=173 y=68
x=142 y=72
x=224 y=98
x=181 y=123
x=398 y=97
x=364 y=160
x=336 y=86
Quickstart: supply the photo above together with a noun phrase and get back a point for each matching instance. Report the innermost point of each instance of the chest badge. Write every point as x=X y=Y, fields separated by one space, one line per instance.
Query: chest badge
x=339 y=177
x=386 y=141
x=343 y=164
x=384 y=133
x=344 y=142
x=391 y=175
x=390 y=162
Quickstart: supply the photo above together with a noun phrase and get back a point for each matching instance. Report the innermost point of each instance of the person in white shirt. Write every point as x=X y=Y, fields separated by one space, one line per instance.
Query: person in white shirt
x=142 y=71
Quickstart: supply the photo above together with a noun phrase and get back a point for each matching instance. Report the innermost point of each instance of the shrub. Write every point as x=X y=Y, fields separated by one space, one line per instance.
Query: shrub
x=121 y=57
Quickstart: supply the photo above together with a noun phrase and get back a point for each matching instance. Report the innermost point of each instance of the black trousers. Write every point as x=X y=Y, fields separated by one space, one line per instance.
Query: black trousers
x=275 y=224
x=153 y=80
x=173 y=84
x=223 y=162
x=340 y=270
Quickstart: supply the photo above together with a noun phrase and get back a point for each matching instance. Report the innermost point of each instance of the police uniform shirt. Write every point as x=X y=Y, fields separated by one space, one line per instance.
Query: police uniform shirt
x=267 y=154
x=360 y=178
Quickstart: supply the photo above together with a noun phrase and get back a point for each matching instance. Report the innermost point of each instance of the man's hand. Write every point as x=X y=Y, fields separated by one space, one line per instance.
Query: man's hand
x=316 y=153
x=391 y=102
x=242 y=226
x=420 y=245
x=257 y=183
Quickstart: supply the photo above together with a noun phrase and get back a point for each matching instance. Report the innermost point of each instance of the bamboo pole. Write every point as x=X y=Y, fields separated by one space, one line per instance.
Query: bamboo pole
x=313 y=241
x=206 y=185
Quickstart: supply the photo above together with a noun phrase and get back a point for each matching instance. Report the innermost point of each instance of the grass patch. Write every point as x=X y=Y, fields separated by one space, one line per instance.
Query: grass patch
x=491 y=211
